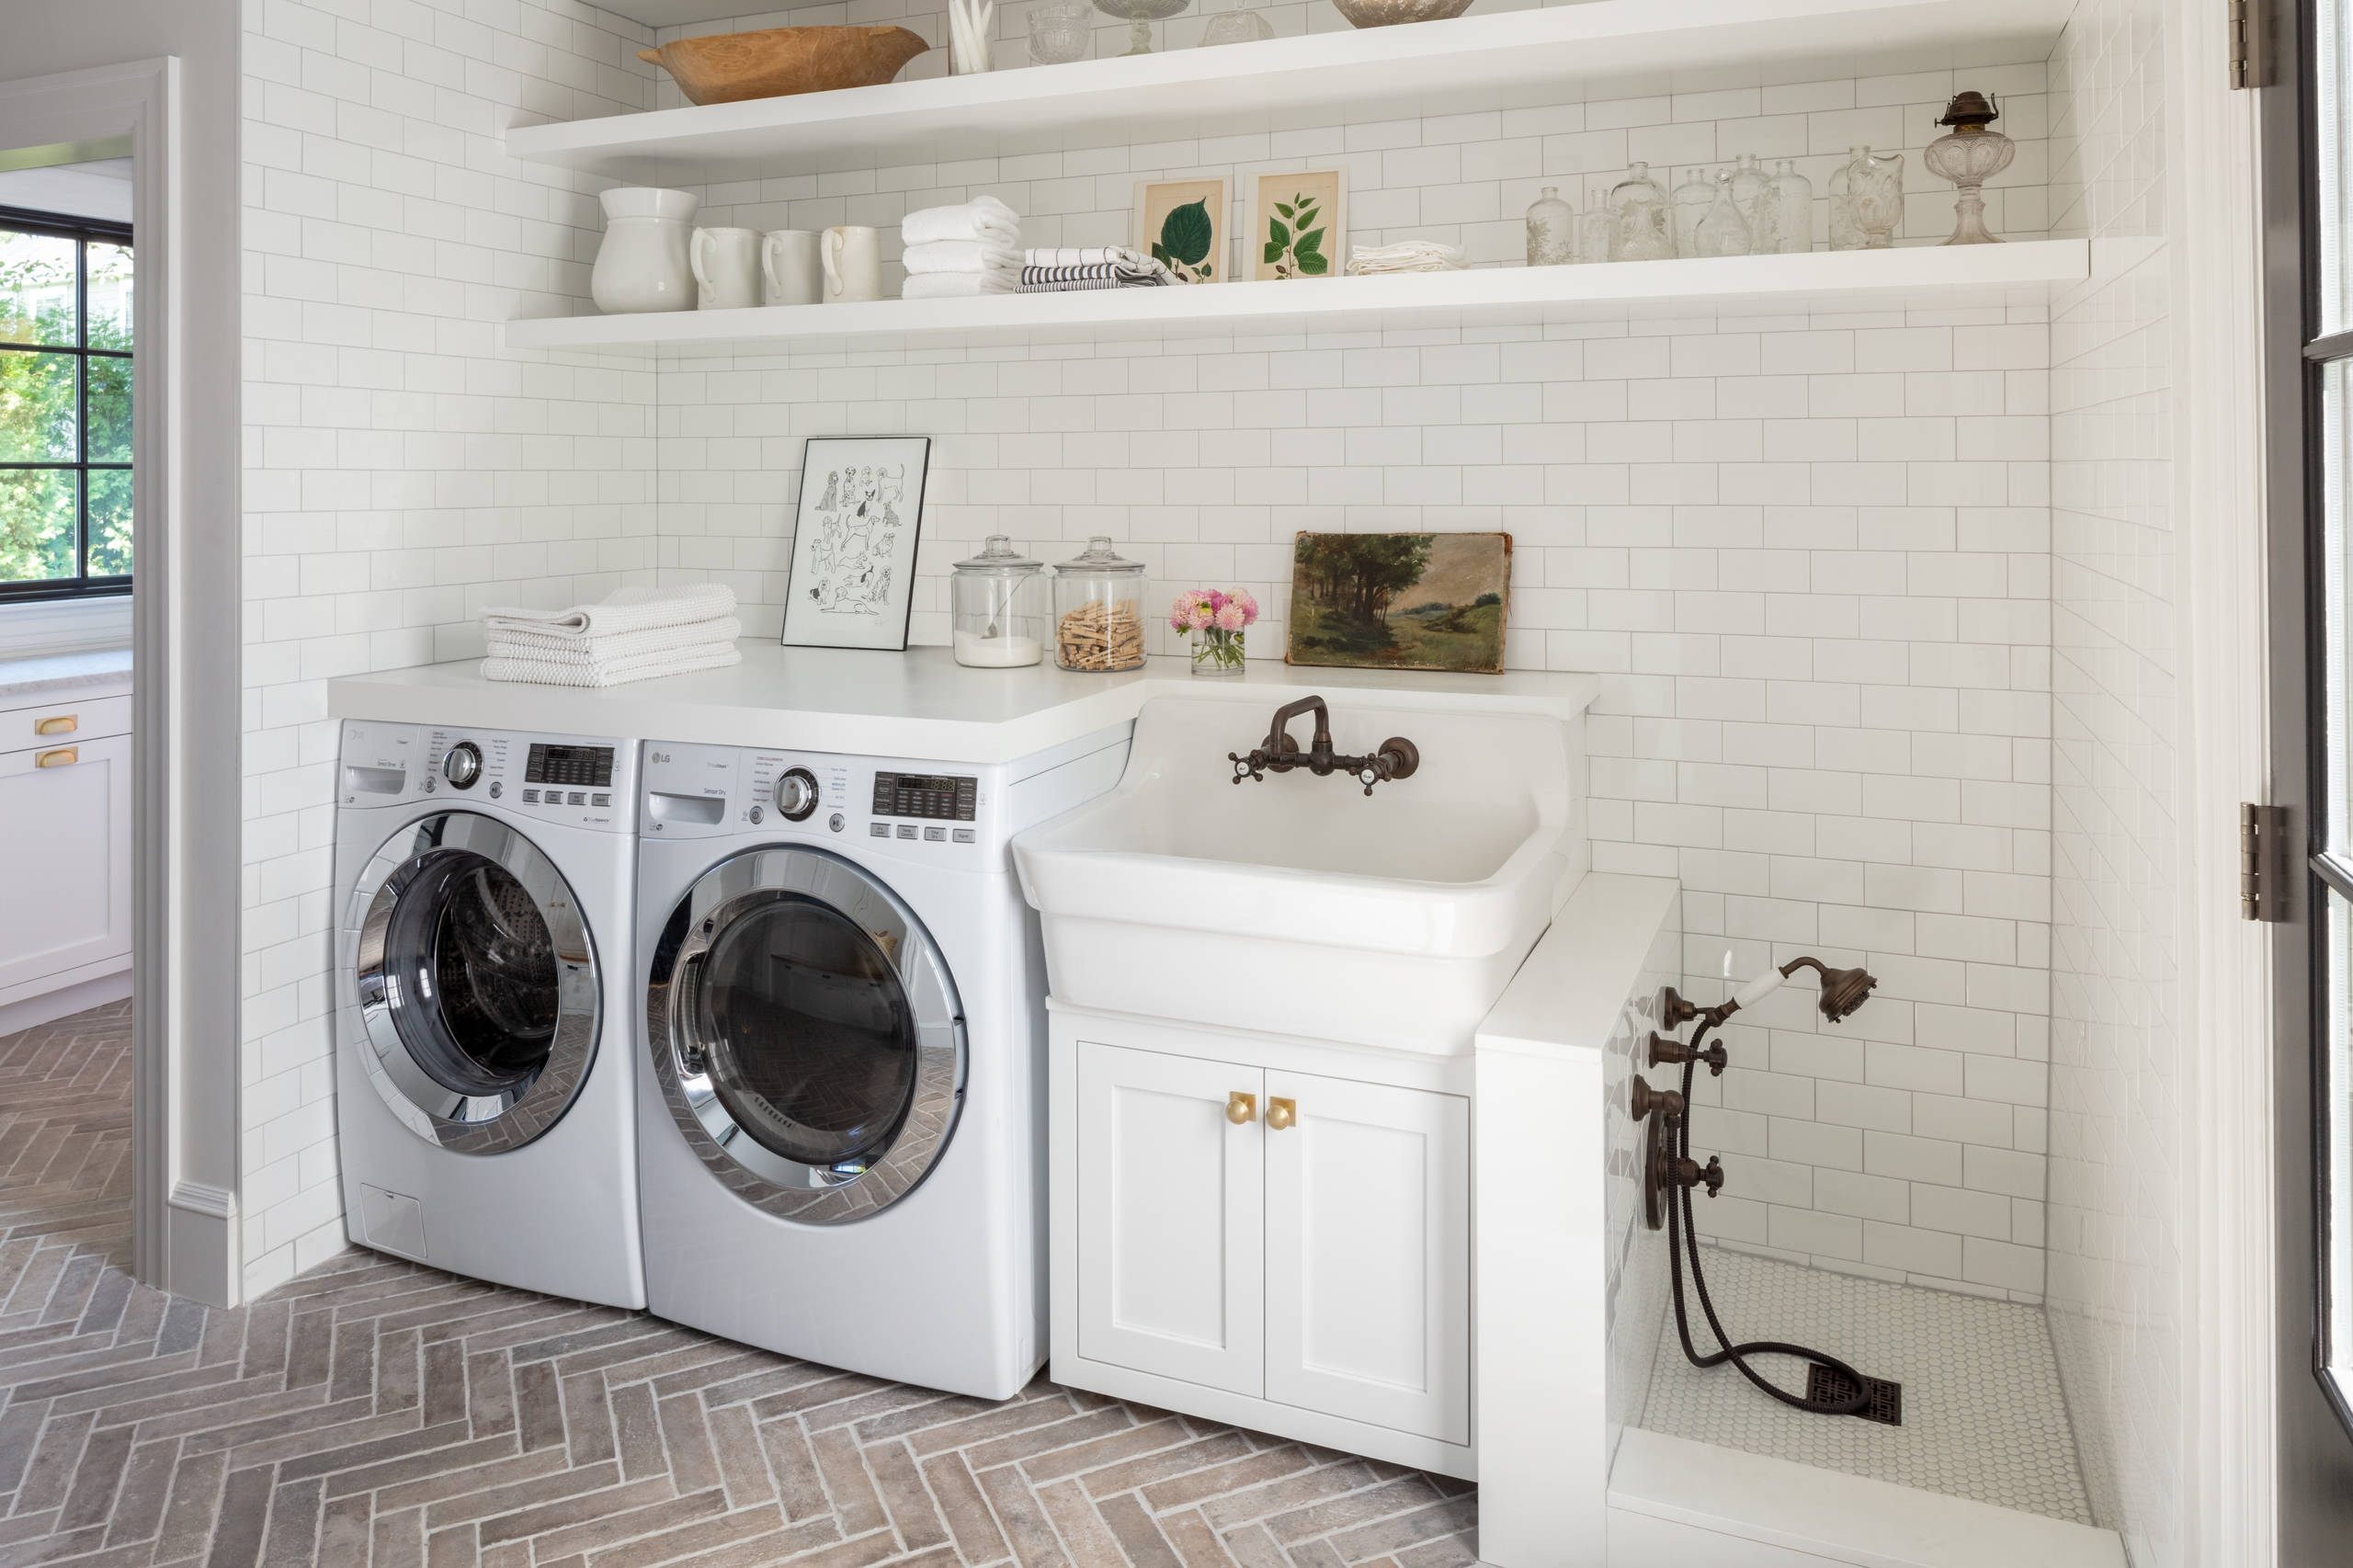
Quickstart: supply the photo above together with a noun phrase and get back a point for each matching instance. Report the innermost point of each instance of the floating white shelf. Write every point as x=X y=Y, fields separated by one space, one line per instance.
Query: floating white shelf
x=1552 y=54
x=1915 y=278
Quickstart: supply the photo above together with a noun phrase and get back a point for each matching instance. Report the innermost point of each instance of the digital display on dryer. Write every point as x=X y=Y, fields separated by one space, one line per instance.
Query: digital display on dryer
x=942 y=797
x=590 y=767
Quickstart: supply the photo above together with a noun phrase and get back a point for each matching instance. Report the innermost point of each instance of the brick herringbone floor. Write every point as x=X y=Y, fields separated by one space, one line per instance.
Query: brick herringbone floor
x=377 y=1414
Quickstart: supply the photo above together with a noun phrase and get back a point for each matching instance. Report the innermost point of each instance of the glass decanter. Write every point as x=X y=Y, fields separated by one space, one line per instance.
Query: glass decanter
x=1723 y=232
x=1640 y=208
x=1597 y=229
x=1785 y=222
x=1749 y=183
x=1844 y=235
x=1876 y=185
x=1552 y=229
x=1692 y=199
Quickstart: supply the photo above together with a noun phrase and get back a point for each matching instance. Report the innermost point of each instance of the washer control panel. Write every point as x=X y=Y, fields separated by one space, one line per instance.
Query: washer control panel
x=561 y=779
x=698 y=791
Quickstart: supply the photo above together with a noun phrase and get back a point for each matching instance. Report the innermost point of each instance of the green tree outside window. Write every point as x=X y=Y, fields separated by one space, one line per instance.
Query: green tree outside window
x=65 y=376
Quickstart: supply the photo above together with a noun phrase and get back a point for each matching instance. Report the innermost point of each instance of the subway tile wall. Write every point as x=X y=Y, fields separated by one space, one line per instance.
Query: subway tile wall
x=2118 y=1046
x=400 y=471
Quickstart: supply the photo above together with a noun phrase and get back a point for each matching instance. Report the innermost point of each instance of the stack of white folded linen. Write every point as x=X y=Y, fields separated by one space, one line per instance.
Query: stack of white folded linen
x=971 y=248
x=633 y=635
x=1072 y=267
x=1412 y=256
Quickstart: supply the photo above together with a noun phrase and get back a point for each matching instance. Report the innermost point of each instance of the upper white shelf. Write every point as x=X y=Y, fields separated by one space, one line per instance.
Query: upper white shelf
x=1915 y=278
x=1552 y=54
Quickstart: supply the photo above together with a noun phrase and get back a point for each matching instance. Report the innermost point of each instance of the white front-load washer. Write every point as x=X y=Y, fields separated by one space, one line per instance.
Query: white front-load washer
x=842 y=1137
x=484 y=888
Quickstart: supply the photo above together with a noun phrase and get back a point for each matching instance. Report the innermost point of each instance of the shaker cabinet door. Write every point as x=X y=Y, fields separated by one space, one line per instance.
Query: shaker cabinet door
x=1368 y=1253
x=67 y=861
x=1170 y=1218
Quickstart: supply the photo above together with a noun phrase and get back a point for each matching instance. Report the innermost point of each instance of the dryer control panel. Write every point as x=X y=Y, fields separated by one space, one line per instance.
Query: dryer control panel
x=579 y=781
x=944 y=814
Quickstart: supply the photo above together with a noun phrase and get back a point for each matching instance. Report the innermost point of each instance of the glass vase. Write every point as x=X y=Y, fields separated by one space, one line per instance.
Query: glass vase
x=1723 y=232
x=1552 y=230
x=1876 y=185
x=1692 y=199
x=1786 y=225
x=1640 y=208
x=1216 y=652
x=1844 y=235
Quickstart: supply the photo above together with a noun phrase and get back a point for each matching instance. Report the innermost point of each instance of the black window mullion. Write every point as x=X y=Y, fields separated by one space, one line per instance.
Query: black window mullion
x=82 y=409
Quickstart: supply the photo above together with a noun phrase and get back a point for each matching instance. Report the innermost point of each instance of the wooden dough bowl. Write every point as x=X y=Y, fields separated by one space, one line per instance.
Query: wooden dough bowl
x=775 y=62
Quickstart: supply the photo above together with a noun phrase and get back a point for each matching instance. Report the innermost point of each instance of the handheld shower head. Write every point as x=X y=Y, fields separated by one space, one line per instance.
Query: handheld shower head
x=1842 y=990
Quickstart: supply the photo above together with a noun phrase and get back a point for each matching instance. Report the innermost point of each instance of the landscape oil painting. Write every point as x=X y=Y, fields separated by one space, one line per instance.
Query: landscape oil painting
x=1400 y=601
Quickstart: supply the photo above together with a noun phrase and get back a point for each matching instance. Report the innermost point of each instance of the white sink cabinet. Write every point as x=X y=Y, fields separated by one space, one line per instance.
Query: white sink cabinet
x=65 y=783
x=1310 y=1280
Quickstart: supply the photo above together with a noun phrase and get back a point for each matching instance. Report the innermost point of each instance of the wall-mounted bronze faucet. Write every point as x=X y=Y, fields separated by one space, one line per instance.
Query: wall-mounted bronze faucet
x=1397 y=757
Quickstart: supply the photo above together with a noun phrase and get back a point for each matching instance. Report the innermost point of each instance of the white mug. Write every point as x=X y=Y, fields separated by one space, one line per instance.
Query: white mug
x=852 y=255
x=790 y=273
x=727 y=268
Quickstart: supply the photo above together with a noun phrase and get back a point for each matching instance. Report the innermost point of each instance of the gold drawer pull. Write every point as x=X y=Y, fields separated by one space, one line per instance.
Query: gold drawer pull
x=1240 y=1108
x=57 y=724
x=1281 y=1114
x=64 y=756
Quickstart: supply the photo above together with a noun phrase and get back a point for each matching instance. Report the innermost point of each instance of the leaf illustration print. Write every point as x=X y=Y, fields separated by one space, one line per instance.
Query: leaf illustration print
x=1186 y=237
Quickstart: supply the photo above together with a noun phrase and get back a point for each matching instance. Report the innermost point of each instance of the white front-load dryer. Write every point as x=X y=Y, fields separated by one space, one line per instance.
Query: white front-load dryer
x=841 y=1136
x=484 y=1079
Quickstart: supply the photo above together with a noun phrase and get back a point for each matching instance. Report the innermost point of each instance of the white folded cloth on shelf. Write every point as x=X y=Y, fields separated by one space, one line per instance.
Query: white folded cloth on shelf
x=1412 y=255
x=958 y=285
x=1116 y=267
x=1081 y=256
x=617 y=644
x=983 y=218
x=962 y=255
x=624 y=609
x=589 y=669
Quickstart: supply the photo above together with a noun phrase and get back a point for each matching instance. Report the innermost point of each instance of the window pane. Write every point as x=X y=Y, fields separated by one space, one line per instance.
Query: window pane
x=109 y=522
x=107 y=409
x=2338 y=1149
x=36 y=288
x=109 y=297
x=36 y=523
x=38 y=418
x=2332 y=72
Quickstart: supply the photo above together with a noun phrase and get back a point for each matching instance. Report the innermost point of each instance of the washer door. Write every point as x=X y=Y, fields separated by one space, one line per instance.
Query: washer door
x=806 y=1035
x=477 y=983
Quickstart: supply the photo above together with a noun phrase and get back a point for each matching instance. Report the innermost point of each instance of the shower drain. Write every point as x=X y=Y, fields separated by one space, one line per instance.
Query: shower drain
x=1828 y=1387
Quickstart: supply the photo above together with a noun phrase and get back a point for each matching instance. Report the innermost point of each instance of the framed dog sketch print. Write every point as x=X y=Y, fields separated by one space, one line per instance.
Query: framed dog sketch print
x=852 y=584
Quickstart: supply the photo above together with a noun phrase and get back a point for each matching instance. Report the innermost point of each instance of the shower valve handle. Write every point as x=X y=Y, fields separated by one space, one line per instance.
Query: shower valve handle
x=1668 y=1052
x=1675 y=1172
x=1645 y=1101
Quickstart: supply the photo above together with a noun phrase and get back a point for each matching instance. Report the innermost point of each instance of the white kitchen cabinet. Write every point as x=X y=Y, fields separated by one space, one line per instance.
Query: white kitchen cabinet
x=1256 y=1230
x=65 y=791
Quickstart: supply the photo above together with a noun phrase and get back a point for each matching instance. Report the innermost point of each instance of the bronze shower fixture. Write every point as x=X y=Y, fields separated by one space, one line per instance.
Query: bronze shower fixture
x=1843 y=991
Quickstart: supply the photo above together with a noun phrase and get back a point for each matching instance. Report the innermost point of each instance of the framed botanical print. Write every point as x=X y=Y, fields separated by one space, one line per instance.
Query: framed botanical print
x=1296 y=225
x=852 y=584
x=1181 y=224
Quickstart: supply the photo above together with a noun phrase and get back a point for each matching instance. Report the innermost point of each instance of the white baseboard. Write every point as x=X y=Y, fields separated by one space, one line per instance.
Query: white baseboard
x=66 y=1001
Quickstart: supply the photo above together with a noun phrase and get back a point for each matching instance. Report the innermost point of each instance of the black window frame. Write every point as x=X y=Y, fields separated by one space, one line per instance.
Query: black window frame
x=84 y=232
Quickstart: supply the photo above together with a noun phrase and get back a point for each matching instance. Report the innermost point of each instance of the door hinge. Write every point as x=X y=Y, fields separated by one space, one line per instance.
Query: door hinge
x=2249 y=66
x=2263 y=862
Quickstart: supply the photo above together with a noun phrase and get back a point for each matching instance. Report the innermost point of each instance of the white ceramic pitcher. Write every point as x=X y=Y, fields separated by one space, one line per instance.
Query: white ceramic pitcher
x=641 y=264
x=852 y=255
x=790 y=273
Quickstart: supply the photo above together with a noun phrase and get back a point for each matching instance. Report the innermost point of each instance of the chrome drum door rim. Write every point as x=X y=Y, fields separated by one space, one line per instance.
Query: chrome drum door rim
x=474 y=1124
x=813 y=1195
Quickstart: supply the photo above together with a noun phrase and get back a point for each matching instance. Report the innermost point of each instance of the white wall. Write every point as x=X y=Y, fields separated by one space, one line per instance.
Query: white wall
x=400 y=471
x=2118 y=1043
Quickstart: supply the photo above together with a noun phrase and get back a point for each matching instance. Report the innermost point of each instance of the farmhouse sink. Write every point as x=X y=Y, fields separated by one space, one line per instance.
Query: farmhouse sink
x=1298 y=905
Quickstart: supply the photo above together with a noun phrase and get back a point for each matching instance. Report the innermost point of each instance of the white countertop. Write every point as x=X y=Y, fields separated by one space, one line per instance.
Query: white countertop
x=28 y=678
x=919 y=704
x=1566 y=998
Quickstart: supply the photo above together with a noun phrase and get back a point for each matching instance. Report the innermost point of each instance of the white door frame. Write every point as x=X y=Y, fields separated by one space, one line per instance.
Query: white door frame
x=186 y=802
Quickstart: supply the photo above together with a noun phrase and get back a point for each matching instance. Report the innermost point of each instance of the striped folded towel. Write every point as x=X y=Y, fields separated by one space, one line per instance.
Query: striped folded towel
x=584 y=669
x=625 y=609
x=1109 y=266
x=617 y=645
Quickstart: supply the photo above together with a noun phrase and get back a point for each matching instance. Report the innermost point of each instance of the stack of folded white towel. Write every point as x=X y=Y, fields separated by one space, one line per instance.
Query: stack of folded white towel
x=1412 y=256
x=634 y=634
x=971 y=248
x=1072 y=267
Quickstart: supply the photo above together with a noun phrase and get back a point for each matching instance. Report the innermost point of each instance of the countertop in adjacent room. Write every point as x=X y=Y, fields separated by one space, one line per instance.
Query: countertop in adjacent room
x=26 y=679
x=916 y=704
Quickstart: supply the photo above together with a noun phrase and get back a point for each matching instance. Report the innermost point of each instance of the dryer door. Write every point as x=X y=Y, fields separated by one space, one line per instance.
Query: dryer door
x=806 y=1034
x=477 y=983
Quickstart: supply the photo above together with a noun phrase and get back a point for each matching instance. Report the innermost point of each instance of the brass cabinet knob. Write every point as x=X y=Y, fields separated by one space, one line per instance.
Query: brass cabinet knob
x=1240 y=1108
x=64 y=756
x=1281 y=1114
x=57 y=724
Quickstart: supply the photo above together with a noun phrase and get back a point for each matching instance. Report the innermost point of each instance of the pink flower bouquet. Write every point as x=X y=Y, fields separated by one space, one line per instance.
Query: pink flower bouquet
x=1214 y=620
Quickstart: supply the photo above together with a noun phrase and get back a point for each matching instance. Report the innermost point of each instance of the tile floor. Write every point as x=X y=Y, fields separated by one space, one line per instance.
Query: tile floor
x=1982 y=1416
x=375 y=1414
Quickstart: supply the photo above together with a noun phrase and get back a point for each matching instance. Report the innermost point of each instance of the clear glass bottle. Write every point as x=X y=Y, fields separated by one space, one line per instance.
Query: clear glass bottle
x=1552 y=229
x=1877 y=187
x=997 y=604
x=1640 y=208
x=1787 y=208
x=1246 y=22
x=1844 y=235
x=1723 y=232
x=1597 y=229
x=1692 y=199
x=1098 y=609
x=1749 y=183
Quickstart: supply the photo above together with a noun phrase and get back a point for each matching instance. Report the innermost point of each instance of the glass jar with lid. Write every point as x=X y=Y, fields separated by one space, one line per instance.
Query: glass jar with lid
x=1098 y=609
x=997 y=602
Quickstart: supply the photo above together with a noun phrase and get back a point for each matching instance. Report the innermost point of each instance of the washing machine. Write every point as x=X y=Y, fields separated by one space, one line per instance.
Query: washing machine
x=485 y=1077
x=841 y=1137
